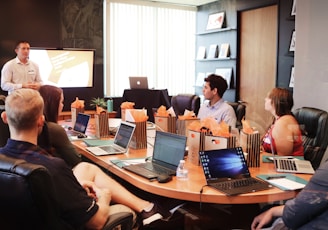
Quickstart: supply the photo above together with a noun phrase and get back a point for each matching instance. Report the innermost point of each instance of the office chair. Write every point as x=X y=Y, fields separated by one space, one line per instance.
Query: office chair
x=28 y=199
x=181 y=102
x=240 y=110
x=314 y=126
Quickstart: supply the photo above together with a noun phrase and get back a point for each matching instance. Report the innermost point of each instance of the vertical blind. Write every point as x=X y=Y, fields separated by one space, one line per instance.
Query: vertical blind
x=149 y=39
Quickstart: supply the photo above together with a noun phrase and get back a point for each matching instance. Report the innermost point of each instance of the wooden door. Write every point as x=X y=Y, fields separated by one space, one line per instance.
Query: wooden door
x=258 y=57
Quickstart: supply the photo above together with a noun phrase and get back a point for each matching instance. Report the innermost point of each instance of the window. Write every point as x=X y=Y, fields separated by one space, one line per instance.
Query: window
x=149 y=39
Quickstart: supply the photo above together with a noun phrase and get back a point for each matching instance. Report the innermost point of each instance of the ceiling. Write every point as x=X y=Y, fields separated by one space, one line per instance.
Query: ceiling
x=186 y=2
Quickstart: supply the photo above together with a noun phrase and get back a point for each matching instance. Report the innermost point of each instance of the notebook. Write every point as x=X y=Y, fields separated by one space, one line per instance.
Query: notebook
x=120 y=144
x=289 y=164
x=80 y=126
x=138 y=82
x=169 y=149
x=226 y=170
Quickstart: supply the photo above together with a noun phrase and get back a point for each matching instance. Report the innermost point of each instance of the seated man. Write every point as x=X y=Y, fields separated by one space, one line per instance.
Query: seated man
x=213 y=90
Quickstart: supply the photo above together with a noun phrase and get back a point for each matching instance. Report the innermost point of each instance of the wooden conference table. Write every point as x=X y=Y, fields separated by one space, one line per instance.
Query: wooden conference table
x=188 y=190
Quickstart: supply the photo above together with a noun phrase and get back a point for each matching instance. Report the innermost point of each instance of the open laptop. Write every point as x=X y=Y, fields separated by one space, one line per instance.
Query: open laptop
x=138 y=82
x=121 y=141
x=80 y=126
x=169 y=149
x=226 y=170
x=290 y=164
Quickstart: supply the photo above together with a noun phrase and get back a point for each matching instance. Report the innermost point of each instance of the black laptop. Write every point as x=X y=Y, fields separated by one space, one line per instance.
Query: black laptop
x=226 y=170
x=169 y=149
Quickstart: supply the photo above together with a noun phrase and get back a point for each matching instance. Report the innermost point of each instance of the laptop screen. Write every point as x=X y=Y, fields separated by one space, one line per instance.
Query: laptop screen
x=224 y=163
x=81 y=123
x=124 y=134
x=169 y=148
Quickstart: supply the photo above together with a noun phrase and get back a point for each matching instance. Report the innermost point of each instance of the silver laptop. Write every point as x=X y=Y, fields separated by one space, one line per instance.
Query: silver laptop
x=290 y=164
x=169 y=149
x=120 y=144
x=138 y=82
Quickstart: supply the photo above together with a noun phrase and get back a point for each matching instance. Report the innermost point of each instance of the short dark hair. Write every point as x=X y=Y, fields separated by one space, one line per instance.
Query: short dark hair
x=216 y=81
x=21 y=42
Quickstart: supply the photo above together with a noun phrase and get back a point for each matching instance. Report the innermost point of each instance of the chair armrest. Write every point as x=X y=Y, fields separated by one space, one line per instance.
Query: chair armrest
x=125 y=219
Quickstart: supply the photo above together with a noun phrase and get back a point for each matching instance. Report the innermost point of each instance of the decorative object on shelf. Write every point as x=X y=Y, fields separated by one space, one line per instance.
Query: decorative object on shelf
x=293 y=13
x=201 y=54
x=213 y=51
x=292 y=78
x=215 y=21
x=292 y=41
x=224 y=50
x=99 y=103
x=226 y=73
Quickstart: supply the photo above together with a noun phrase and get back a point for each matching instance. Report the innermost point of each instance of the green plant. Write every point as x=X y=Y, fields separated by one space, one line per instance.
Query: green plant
x=97 y=101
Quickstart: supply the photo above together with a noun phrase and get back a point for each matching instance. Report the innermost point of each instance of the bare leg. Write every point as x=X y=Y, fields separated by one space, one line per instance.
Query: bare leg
x=88 y=172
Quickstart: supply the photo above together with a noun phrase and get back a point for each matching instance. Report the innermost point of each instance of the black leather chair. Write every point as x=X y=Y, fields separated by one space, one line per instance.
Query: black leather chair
x=240 y=110
x=28 y=200
x=314 y=125
x=181 y=102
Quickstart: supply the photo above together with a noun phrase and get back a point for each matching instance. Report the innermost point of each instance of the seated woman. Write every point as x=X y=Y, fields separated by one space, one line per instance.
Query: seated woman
x=284 y=137
x=55 y=140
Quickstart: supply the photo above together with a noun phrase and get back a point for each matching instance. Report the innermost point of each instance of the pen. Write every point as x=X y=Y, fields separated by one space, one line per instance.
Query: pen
x=275 y=177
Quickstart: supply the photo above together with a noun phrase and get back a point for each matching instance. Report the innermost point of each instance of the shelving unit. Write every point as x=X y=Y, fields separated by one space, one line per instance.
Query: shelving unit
x=206 y=66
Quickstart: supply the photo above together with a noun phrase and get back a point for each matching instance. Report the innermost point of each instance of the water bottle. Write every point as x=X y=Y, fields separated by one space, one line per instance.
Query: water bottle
x=182 y=172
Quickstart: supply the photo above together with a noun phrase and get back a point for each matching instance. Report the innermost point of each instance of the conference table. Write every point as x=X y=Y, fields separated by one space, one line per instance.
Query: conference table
x=194 y=188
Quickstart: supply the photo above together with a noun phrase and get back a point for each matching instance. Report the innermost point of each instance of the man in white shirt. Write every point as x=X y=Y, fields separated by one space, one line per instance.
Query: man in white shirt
x=214 y=106
x=20 y=72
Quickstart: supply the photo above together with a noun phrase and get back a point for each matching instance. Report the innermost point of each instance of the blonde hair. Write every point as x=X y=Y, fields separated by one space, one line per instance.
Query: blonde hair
x=23 y=108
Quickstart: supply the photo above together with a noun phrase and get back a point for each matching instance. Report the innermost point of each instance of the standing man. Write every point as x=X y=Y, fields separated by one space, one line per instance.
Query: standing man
x=213 y=90
x=20 y=72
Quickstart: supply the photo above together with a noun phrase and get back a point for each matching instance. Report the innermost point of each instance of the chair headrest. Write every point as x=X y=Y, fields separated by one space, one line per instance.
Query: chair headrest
x=310 y=119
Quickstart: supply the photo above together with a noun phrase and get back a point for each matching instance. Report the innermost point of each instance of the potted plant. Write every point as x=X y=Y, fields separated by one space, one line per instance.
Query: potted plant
x=99 y=103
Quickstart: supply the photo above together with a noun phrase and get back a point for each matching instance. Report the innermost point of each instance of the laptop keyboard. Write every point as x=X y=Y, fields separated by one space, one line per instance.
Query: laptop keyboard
x=158 y=169
x=237 y=183
x=287 y=164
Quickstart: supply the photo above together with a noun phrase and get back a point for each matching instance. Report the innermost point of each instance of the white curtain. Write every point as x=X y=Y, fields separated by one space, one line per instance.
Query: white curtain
x=149 y=39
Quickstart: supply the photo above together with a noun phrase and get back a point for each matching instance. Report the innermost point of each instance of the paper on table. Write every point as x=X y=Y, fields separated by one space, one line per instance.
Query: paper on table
x=286 y=183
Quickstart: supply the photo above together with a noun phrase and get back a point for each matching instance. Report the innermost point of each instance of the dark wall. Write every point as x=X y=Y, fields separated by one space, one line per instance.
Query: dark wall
x=57 y=24
x=79 y=24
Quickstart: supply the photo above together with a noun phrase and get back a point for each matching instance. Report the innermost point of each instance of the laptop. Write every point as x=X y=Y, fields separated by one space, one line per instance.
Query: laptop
x=290 y=164
x=138 y=82
x=120 y=144
x=169 y=149
x=226 y=170
x=80 y=126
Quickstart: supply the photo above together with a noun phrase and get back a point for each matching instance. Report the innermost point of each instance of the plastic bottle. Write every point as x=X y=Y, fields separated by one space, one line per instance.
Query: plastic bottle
x=182 y=172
